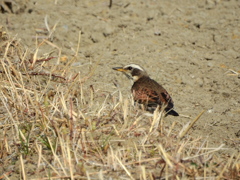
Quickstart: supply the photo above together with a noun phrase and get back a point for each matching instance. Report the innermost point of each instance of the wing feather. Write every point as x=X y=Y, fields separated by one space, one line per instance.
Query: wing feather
x=151 y=94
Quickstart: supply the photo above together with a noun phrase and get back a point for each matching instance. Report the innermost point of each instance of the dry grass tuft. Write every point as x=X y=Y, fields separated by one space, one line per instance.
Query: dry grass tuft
x=53 y=127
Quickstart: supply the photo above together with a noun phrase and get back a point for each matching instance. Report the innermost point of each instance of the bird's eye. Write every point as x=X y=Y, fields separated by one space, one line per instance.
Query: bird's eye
x=129 y=68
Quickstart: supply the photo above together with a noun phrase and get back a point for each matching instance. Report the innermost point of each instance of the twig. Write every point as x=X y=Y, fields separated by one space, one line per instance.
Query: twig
x=128 y=173
x=42 y=60
x=44 y=74
x=46 y=23
x=181 y=135
x=110 y=4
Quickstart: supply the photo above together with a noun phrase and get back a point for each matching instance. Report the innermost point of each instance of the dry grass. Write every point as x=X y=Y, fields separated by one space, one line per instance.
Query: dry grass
x=54 y=127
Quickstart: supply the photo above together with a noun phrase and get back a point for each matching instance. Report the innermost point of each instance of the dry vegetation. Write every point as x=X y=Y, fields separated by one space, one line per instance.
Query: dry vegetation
x=53 y=126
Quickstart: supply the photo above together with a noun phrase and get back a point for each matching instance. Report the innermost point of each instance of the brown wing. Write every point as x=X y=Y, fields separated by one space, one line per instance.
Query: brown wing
x=149 y=92
x=146 y=96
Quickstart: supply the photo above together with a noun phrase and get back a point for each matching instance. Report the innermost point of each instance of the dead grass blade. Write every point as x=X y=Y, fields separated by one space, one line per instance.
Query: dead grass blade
x=185 y=131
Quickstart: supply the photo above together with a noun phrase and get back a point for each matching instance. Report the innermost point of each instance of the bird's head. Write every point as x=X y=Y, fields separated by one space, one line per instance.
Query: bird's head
x=132 y=71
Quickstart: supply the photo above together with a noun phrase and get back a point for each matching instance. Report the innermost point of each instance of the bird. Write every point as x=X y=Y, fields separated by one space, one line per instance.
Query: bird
x=147 y=91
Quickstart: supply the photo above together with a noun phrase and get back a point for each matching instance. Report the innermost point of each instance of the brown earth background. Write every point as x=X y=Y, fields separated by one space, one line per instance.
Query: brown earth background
x=191 y=47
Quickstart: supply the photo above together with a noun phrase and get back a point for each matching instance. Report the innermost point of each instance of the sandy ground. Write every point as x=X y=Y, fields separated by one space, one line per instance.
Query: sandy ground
x=187 y=46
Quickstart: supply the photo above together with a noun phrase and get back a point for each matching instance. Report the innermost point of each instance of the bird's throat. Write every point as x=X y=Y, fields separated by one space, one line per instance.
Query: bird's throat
x=135 y=78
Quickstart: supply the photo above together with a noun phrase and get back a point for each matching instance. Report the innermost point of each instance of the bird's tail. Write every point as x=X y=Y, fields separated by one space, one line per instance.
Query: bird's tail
x=171 y=112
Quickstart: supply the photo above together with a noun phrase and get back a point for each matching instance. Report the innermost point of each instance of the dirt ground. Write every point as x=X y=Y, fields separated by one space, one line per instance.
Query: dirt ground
x=189 y=47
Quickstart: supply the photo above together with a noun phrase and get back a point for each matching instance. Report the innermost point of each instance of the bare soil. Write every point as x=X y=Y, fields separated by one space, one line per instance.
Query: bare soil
x=190 y=47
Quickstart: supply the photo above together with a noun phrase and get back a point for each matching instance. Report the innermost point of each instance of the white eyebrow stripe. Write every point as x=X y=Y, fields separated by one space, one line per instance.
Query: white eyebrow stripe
x=135 y=66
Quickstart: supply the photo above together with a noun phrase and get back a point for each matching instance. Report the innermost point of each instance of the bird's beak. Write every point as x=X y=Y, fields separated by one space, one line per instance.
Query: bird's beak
x=122 y=70
x=119 y=69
